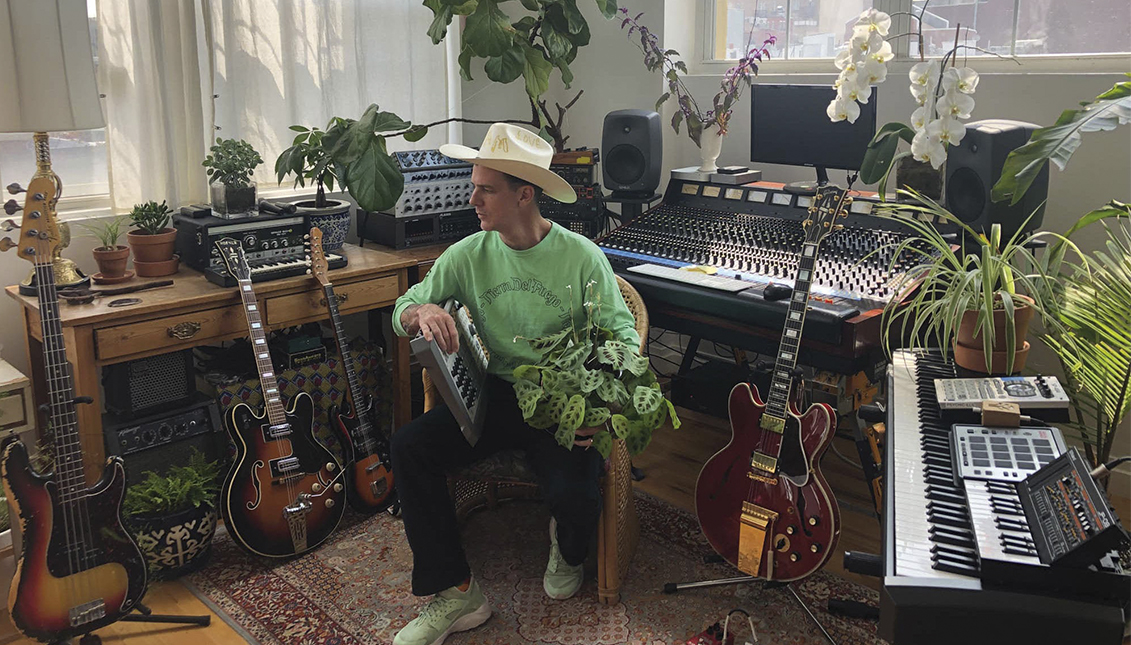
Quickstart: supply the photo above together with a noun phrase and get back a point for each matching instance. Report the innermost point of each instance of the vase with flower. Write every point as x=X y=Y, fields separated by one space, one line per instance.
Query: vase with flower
x=705 y=127
x=942 y=90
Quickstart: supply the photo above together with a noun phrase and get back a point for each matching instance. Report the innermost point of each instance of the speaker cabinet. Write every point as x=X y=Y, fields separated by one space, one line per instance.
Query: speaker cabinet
x=166 y=439
x=632 y=145
x=136 y=388
x=974 y=166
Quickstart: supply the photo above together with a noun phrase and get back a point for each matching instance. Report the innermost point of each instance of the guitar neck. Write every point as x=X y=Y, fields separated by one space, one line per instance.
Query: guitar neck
x=272 y=399
x=356 y=395
x=60 y=387
x=777 y=403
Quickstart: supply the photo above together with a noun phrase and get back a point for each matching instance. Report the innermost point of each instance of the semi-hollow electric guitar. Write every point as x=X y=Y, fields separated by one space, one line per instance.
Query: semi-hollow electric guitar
x=285 y=492
x=762 y=501
x=370 y=478
x=78 y=569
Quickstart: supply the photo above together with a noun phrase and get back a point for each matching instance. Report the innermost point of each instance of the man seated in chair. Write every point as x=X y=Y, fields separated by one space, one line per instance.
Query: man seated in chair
x=521 y=276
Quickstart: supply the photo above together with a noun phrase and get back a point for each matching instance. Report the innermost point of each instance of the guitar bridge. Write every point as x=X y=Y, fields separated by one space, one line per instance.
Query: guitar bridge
x=754 y=526
x=87 y=612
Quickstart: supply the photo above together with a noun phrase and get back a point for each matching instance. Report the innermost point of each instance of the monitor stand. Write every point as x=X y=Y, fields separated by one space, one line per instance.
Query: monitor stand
x=809 y=187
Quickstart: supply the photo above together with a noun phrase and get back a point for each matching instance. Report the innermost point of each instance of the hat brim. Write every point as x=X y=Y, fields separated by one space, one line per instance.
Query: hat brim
x=549 y=181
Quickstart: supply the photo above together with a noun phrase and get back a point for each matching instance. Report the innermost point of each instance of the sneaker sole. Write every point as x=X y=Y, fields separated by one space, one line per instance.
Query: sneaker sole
x=464 y=623
x=560 y=596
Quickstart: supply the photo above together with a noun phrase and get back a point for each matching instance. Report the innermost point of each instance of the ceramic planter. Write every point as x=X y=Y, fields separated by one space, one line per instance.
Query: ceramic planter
x=333 y=220
x=112 y=262
x=152 y=248
x=969 y=352
x=177 y=543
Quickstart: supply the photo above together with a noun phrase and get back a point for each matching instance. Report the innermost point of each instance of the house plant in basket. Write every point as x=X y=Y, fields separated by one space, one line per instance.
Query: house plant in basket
x=975 y=301
x=173 y=516
x=152 y=240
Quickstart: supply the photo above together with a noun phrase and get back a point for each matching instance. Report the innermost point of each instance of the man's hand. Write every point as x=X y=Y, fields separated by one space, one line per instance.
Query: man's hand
x=584 y=436
x=434 y=323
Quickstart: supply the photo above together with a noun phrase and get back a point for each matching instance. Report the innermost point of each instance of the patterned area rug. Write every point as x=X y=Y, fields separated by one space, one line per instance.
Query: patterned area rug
x=356 y=588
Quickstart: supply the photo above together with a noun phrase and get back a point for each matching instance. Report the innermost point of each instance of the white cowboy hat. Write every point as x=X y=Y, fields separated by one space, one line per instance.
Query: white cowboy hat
x=519 y=152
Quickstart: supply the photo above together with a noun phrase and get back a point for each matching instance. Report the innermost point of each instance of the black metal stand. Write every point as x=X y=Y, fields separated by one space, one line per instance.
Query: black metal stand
x=147 y=616
x=631 y=207
x=673 y=587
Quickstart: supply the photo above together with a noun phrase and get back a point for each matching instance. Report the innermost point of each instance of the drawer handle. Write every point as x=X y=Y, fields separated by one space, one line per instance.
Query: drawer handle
x=184 y=330
x=342 y=297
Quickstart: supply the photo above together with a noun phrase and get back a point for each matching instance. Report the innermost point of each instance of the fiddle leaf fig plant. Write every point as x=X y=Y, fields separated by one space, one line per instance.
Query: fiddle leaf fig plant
x=586 y=378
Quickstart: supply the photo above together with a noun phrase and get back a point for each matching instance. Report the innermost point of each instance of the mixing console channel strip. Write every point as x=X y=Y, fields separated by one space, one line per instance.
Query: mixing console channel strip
x=753 y=234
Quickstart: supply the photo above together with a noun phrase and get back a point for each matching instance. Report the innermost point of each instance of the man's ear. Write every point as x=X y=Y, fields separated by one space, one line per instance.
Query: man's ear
x=526 y=194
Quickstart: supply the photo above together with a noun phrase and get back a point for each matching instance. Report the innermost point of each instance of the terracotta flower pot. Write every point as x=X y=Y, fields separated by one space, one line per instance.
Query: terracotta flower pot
x=157 y=269
x=152 y=248
x=969 y=351
x=112 y=262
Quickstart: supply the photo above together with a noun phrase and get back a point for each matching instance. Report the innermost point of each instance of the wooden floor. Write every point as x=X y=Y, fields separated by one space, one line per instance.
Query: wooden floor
x=671 y=465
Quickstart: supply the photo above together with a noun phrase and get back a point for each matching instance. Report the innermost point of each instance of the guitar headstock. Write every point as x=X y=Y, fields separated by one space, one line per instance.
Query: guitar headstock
x=830 y=203
x=39 y=232
x=231 y=252
x=318 y=264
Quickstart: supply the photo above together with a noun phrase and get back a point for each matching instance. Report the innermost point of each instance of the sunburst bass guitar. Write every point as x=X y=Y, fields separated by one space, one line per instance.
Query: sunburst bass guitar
x=762 y=501
x=285 y=492
x=78 y=568
x=370 y=479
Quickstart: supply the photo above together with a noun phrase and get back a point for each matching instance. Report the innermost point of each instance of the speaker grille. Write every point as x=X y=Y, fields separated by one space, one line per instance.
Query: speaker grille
x=966 y=194
x=625 y=164
x=148 y=384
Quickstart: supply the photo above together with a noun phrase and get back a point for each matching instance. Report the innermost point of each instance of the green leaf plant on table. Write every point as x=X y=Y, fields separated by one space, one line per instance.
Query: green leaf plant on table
x=588 y=379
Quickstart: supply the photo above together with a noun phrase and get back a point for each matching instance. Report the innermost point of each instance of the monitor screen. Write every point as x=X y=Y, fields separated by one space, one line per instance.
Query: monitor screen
x=789 y=126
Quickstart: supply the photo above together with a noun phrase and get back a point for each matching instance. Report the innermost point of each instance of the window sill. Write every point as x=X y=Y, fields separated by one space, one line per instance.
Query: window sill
x=1063 y=64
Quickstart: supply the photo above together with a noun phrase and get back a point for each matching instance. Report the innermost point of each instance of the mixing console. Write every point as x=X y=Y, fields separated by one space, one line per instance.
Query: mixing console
x=762 y=247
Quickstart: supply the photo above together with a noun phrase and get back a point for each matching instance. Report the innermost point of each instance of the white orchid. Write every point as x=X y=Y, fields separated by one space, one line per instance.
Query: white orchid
x=860 y=92
x=947 y=130
x=928 y=149
x=883 y=54
x=843 y=110
x=862 y=46
x=919 y=118
x=955 y=104
x=921 y=93
x=925 y=74
x=844 y=59
x=872 y=22
x=962 y=79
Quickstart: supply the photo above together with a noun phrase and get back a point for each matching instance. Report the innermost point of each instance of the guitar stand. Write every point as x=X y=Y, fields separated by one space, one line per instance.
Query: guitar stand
x=672 y=587
x=147 y=616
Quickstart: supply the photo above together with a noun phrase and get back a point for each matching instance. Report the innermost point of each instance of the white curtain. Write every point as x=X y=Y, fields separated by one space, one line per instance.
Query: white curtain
x=280 y=63
x=158 y=103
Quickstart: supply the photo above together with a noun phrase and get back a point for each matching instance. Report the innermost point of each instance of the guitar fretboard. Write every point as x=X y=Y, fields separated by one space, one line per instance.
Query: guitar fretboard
x=272 y=399
x=786 y=360
x=364 y=442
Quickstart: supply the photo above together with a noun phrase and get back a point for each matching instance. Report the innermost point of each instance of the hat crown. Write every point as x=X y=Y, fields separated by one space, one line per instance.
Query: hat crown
x=509 y=141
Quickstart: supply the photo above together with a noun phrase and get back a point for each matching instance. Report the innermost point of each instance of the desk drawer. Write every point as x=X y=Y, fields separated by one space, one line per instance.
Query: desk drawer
x=169 y=333
x=352 y=296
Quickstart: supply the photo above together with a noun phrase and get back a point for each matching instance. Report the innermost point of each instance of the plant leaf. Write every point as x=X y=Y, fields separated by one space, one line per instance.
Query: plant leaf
x=506 y=67
x=646 y=400
x=595 y=417
x=603 y=443
x=487 y=30
x=416 y=133
x=536 y=71
x=608 y=8
x=374 y=180
x=880 y=154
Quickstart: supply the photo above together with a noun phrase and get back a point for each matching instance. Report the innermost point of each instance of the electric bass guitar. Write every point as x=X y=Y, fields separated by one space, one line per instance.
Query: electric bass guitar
x=369 y=476
x=285 y=492
x=762 y=501
x=78 y=569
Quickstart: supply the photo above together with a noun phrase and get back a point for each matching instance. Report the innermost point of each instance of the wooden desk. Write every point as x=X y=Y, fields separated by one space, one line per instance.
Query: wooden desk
x=196 y=312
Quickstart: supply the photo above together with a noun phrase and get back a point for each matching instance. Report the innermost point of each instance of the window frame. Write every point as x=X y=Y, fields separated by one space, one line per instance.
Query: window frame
x=707 y=24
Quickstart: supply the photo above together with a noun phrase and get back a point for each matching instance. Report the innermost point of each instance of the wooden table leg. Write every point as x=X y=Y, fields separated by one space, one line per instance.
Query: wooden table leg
x=84 y=370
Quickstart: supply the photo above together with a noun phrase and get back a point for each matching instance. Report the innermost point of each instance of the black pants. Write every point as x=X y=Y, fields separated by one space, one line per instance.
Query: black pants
x=431 y=446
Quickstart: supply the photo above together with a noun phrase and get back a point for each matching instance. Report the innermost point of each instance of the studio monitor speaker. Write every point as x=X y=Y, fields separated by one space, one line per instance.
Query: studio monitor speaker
x=974 y=166
x=632 y=148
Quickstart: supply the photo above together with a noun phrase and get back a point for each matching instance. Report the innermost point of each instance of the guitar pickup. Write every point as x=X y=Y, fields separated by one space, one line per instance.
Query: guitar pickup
x=278 y=430
x=764 y=463
x=281 y=468
x=87 y=612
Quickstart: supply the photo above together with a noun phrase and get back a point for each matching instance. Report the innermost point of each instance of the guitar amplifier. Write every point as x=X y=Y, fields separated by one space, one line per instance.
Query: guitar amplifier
x=460 y=378
x=273 y=245
x=145 y=385
x=156 y=442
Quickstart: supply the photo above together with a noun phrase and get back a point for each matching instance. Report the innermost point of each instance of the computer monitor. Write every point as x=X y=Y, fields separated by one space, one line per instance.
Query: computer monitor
x=788 y=125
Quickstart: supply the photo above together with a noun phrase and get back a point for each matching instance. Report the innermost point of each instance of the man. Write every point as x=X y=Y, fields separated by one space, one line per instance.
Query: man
x=521 y=276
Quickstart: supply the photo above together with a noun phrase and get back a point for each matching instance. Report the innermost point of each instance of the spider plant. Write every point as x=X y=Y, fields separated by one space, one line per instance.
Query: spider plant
x=1093 y=337
x=984 y=275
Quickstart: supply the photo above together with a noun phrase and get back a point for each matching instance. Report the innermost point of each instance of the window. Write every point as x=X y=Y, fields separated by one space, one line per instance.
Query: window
x=79 y=158
x=820 y=28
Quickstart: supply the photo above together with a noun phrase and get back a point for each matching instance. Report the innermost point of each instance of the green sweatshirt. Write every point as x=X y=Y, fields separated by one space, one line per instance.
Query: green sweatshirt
x=530 y=293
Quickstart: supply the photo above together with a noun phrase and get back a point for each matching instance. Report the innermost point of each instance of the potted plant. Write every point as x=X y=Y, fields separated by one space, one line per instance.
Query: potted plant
x=309 y=158
x=588 y=379
x=110 y=256
x=230 y=165
x=173 y=516
x=976 y=301
x=152 y=240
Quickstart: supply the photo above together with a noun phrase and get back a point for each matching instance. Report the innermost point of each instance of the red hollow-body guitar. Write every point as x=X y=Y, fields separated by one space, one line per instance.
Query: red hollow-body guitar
x=762 y=501
x=79 y=569
x=369 y=478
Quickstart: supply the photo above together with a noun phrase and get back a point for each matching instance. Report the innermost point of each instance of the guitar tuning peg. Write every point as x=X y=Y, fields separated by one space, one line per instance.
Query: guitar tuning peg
x=15 y=188
x=9 y=225
x=10 y=207
x=308 y=272
x=6 y=244
x=306 y=236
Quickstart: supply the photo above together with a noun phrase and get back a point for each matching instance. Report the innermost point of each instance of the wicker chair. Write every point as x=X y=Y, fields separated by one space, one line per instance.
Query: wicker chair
x=506 y=475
